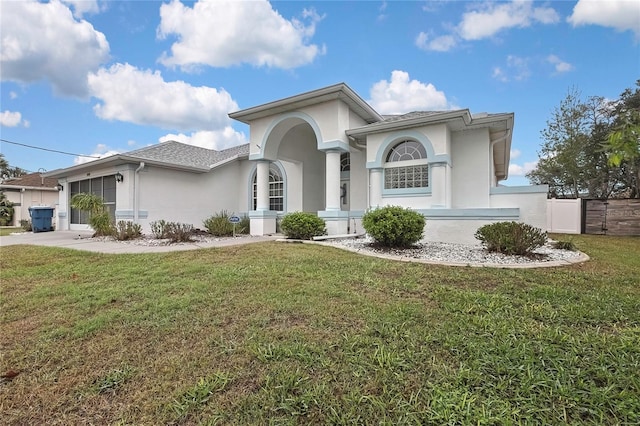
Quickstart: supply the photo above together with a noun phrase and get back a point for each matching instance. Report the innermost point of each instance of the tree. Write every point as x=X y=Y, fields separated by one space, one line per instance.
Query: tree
x=6 y=210
x=623 y=143
x=6 y=171
x=572 y=161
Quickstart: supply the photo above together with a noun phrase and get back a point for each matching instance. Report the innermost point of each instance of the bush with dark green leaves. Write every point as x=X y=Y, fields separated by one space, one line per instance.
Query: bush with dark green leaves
x=394 y=226
x=511 y=238
x=302 y=226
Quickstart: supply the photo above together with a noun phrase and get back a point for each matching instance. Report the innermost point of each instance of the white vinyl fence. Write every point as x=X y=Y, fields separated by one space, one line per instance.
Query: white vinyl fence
x=564 y=216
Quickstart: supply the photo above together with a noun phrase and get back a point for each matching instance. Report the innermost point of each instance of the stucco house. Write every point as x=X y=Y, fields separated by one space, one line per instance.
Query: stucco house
x=29 y=190
x=328 y=152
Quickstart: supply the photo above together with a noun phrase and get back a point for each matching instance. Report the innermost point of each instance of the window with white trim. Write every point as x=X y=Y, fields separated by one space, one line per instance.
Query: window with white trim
x=406 y=166
x=276 y=189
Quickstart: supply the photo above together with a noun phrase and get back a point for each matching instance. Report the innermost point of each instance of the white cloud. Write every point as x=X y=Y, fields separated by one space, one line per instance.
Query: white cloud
x=559 y=65
x=224 y=33
x=401 y=95
x=44 y=41
x=515 y=69
x=12 y=119
x=13 y=95
x=439 y=44
x=143 y=97
x=515 y=153
x=489 y=19
x=522 y=170
x=80 y=7
x=218 y=139
x=622 y=15
x=485 y=20
x=100 y=151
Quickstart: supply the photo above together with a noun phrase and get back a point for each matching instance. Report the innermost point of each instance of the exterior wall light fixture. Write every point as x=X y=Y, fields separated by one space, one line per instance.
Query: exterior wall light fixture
x=119 y=177
x=59 y=187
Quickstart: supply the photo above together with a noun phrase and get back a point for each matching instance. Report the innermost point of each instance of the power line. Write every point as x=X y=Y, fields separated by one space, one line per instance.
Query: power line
x=47 y=149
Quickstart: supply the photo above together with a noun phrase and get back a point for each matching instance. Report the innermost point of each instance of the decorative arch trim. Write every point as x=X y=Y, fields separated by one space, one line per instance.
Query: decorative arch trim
x=397 y=137
x=263 y=154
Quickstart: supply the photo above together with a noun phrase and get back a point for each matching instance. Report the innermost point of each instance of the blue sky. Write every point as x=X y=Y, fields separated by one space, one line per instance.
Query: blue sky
x=102 y=77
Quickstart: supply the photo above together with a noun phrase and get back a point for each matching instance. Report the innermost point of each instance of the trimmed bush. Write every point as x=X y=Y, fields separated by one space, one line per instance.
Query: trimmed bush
x=394 y=226
x=127 y=230
x=25 y=225
x=565 y=245
x=302 y=226
x=511 y=238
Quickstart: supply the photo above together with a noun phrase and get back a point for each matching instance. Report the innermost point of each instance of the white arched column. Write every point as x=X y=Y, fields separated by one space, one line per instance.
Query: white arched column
x=263 y=220
x=336 y=220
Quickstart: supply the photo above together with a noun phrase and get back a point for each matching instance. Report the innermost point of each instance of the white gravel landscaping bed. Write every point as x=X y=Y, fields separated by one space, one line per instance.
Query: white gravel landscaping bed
x=461 y=254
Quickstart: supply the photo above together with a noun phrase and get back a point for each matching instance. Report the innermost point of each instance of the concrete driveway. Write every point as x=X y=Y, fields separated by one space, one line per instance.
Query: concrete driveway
x=81 y=240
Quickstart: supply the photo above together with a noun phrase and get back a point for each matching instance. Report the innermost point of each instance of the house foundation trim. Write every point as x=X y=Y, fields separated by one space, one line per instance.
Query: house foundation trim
x=493 y=214
x=262 y=222
x=337 y=221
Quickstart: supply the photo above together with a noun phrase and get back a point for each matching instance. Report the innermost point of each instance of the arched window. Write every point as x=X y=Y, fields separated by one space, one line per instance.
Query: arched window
x=276 y=189
x=406 y=166
x=345 y=162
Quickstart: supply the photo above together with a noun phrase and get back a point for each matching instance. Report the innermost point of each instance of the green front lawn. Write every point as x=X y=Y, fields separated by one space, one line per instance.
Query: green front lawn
x=299 y=334
x=9 y=230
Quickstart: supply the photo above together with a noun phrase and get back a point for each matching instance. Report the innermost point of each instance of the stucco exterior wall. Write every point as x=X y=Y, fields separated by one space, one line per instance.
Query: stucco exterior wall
x=22 y=200
x=470 y=177
x=189 y=197
x=531 y=200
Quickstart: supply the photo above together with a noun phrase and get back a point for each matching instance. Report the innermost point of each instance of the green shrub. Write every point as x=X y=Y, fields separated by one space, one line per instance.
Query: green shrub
x=179 y=232
x=244 y=226
x=394 y=226
x=511 y=237
x=159 y=229
x=565 y=245
x=219 y=224
x=302 y=226
x=25 y=225
x=101 y=224
x=127 y=230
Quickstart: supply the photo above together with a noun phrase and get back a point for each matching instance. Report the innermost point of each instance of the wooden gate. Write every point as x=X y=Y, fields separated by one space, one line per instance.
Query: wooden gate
x=611 y=217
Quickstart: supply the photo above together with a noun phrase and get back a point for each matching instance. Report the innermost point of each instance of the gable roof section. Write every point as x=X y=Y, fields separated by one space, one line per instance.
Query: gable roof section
x=171 y=154
x=30 y=181
x=337 y=91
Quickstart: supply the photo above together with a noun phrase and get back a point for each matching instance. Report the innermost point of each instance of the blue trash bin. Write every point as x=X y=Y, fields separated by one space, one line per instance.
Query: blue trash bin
x=41 y=218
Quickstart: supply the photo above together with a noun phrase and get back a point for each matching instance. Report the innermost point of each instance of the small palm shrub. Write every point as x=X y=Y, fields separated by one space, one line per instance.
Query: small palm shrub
x=127 y=230
x=219 y=224
x=394 y=226
x=99 y=218
x=25 y=225
x=511 y=238
x=302 y=226
x=244 y=226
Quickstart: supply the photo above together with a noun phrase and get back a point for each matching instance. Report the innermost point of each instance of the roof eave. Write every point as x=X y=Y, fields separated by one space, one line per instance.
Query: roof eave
x=337 y=91
x=384 y=126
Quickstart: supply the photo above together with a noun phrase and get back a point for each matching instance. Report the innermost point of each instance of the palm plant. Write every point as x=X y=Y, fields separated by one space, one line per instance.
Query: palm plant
x=99 y=218
x=6 y=210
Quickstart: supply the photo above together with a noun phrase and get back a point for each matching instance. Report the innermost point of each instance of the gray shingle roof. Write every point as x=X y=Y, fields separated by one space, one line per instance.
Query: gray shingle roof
x=181 y=154
x=409 y=115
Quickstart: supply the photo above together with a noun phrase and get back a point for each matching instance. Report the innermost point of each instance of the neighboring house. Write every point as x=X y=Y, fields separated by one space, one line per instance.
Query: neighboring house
x=27 y=191
x=326 y=152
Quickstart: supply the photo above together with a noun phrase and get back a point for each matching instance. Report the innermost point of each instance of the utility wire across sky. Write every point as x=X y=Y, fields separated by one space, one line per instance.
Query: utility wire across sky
x=47 y=149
